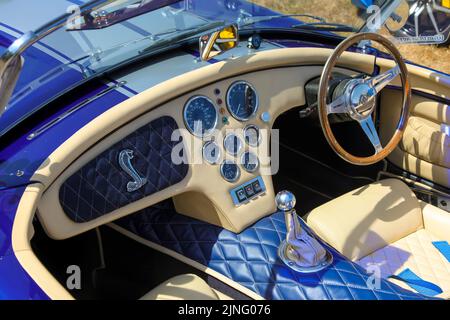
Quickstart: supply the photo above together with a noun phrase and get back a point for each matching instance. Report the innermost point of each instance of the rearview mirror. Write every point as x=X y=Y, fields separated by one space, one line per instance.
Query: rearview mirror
x=9 y=74
x=218 y=42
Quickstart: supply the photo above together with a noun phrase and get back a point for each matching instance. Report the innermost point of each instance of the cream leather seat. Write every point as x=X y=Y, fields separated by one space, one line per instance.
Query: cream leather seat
x=384 y=224
x=184 y=287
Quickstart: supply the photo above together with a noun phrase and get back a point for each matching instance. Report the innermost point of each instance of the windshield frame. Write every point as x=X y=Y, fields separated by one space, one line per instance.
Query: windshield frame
x=282 y=26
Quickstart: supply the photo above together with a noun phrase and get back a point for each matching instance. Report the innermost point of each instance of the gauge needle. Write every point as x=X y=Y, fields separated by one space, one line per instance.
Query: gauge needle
x=247 y=96
x=239 y=108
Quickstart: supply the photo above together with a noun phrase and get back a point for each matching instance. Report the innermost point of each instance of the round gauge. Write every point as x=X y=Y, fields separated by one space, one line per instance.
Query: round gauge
x=232 y=144
x=242 y=101
x=230 y=171
x=250 y=162
x=211 y=152
x=200 y=116
x=252 y=135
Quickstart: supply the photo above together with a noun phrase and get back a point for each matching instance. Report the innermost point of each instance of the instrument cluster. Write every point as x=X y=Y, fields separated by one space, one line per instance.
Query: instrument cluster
x=201 y=117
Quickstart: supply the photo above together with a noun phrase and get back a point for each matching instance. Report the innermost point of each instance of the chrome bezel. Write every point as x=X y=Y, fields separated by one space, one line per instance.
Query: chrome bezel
x=238 y=171
x=219 y=153
x=228 y=100
x=242 y=162
x=252 y=126
x=191 y=130
x=239 y=149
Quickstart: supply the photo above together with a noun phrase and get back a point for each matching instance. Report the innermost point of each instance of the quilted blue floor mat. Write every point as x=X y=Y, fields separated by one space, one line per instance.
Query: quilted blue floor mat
x=250 y=258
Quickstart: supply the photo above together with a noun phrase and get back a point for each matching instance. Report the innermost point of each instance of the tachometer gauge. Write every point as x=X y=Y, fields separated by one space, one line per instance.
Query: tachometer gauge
x=200 y=116
x=242 y=101
x=230 y=171
x=250 y=162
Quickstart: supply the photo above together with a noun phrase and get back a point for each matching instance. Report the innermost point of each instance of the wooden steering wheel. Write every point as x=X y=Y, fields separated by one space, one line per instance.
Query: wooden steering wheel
x=359 y=100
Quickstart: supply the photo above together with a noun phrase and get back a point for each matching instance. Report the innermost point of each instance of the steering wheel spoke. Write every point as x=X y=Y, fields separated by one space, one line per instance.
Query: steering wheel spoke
x=382 y=80
x=371 y=132
x=337 y=106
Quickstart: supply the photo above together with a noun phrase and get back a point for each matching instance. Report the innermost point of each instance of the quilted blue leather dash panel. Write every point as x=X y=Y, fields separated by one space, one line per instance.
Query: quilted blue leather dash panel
x=100 y=186
x=250 y=258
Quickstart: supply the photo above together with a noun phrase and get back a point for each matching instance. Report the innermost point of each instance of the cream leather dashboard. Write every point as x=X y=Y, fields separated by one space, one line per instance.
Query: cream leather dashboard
x=203 y=193
x=279 y=77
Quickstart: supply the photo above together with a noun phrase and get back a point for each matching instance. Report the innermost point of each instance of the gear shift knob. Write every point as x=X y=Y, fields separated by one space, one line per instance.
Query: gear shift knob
x=285 y=201
x=300 y=251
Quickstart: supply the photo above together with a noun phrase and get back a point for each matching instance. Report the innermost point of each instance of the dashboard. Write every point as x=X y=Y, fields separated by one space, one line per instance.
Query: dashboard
x=223 y=132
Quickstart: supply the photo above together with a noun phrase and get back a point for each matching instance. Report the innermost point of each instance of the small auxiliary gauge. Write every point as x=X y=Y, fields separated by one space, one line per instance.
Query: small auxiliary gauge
x=211 y=152
x=232 y=144
x=249 y=162
x=252 y=135
x=230 y=171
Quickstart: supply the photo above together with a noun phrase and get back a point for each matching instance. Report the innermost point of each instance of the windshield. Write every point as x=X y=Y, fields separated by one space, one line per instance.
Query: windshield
x=420 y=29
x=92 y=42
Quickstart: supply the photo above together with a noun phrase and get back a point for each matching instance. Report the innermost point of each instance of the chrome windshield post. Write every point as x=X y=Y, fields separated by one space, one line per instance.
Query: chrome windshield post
x=11 y=62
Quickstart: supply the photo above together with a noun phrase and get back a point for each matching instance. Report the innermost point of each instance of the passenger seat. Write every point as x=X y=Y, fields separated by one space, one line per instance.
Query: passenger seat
x=183 y=287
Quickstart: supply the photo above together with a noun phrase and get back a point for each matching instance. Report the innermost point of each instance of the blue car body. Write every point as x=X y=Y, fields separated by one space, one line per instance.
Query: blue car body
x=363 y=4
x=20 y=157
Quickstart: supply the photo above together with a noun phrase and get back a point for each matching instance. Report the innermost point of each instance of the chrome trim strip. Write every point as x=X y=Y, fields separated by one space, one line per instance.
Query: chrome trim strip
x=72 y=110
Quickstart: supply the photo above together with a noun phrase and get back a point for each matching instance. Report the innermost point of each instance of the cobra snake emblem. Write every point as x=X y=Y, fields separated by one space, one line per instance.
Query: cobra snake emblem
x=125 y=157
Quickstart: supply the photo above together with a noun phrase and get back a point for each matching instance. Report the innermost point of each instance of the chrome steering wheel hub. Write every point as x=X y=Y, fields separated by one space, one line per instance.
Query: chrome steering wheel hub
x=360 y=99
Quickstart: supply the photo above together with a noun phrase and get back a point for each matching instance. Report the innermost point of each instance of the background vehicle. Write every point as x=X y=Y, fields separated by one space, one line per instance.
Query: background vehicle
x=426 y=17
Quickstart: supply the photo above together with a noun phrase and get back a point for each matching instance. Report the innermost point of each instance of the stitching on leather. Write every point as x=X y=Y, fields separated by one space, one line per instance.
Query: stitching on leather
x=296 y=286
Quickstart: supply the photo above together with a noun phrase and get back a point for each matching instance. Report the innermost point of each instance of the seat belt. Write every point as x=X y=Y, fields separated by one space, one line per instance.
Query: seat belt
x=444 y=248
x=414 y=281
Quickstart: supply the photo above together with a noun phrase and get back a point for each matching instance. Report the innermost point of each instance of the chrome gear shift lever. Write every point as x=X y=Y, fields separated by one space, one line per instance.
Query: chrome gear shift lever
x=300 y=251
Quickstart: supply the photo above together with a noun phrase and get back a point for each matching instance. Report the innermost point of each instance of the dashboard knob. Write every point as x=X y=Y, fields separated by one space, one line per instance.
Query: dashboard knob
x=285 y=201
x=265 y=117
x=254 y=42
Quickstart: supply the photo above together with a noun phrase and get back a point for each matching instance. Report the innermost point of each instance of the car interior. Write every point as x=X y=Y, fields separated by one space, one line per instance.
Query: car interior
x=139 y=244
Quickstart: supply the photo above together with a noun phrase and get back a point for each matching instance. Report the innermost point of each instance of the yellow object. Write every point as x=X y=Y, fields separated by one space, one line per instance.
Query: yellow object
x=225 y=34
x=446 y=3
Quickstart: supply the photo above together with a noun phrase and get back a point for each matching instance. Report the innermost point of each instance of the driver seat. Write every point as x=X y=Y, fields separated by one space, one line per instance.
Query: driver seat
x=383 y=224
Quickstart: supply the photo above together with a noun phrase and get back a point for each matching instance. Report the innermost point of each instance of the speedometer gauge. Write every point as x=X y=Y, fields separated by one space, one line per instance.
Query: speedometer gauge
x=200 y=116
x=242 y=101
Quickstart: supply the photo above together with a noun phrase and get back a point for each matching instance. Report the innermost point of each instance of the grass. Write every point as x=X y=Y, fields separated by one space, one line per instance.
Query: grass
x=342 y=11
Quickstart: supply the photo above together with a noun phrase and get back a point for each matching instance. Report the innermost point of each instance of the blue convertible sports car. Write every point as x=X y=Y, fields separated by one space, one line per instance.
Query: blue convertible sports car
x=217 y=149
